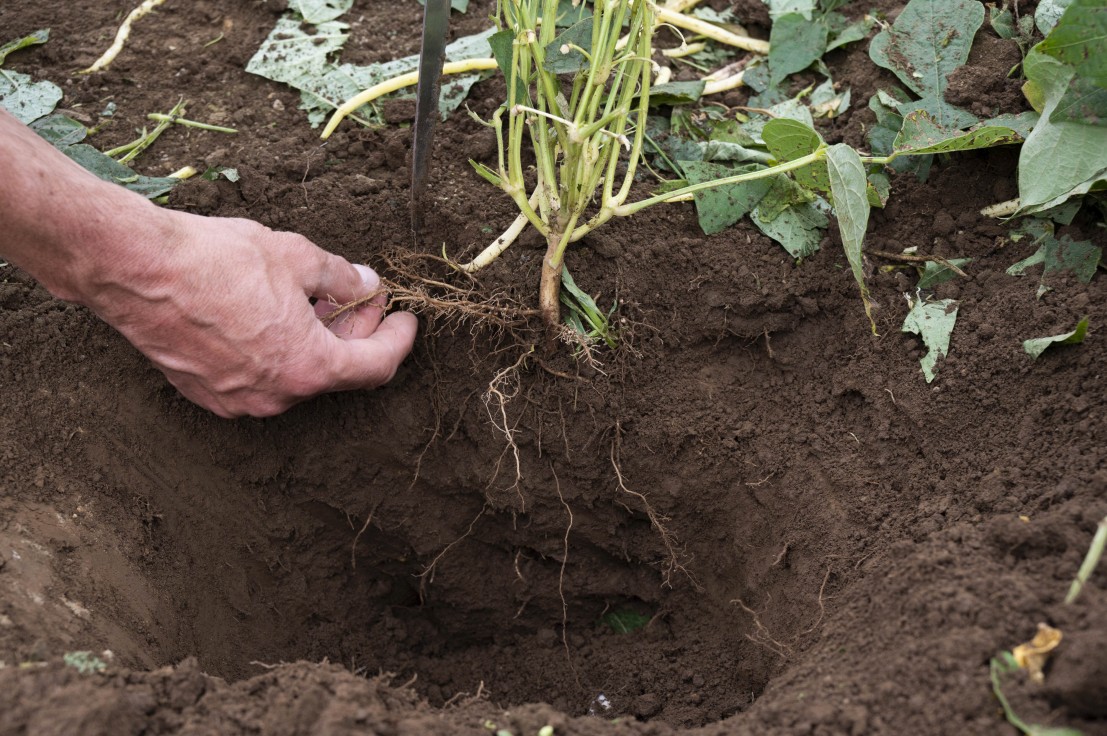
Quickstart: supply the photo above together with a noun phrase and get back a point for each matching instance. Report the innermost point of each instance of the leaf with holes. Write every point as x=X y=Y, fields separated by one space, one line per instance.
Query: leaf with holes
x=933 y=322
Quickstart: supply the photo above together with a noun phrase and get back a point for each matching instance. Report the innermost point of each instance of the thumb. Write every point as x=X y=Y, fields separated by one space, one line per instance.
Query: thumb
x=334 y=279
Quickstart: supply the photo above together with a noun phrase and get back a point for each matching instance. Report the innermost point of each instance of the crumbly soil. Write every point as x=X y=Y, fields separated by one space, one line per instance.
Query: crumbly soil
x=821 y=541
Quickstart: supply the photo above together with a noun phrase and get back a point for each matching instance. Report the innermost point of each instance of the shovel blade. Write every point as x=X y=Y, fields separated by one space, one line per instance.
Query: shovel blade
x=436 y=21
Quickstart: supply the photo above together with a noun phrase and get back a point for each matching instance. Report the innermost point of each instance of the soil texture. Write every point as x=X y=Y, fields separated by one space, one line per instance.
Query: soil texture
x=820 y=541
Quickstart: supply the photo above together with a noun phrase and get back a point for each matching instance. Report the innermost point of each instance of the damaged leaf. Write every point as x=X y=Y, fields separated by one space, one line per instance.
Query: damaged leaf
x=932 y=321
x=929 y=40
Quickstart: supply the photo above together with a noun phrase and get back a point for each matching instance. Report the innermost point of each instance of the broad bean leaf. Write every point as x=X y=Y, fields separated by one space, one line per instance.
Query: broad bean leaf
x=301 y=60
x=460 y=6
x=848 y=187
x=60 y=130
x=111 y=170
x=1036 y=346
x=1048 y=13
x=934 y=273
x=889 y=121
x=842 y=32
x=720 y=207
x=676 y=93
x=1080 y=40
x=798 y=228
x=571 y=61
x=1059 y=159
x=1061 y=254
x=795 y=43
x=27 y=100
x=319 y=11
x=921 y=134
x=780 y=8
x=929 y=40
x=933 y=322
x=828 y=102
x=40 y=36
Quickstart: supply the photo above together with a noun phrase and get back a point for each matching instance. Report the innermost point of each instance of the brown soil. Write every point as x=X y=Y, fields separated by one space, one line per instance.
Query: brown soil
x=847 y=545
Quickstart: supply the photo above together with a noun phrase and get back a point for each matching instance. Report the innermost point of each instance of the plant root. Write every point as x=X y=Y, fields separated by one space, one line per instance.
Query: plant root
x=427 y=576
x=674 y=563
x=502 y=389
x=122 y=35
x=761 y=635
x=561 y=580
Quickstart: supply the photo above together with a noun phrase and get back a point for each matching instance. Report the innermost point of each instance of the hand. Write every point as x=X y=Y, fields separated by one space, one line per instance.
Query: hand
x=222 y=309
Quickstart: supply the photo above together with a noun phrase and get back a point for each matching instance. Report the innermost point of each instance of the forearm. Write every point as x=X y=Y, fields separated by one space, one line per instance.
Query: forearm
x=73 y=232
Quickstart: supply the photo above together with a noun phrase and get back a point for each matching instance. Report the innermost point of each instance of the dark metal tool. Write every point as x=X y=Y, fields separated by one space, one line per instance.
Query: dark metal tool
x=436 y=21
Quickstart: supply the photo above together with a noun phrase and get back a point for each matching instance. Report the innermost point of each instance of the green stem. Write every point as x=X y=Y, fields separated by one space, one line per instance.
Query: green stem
x=162 y=117
x=1099 y=541
x=799 y=163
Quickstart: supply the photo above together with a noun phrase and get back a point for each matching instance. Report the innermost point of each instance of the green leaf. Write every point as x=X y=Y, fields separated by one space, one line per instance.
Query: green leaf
x=27 y=100
x=625 y=621
x=319 y=11
x=795 y=43
x=301 y=60
x=828 y=102
x=934 y=273
x=111 y=170
x=947 y=116
x=922 y=134
x=842 y=32
x=1080 y=40
x=798 y=227
x=933 y=322
x=720 y=207
x=780 y=8
x=848 y=187
x=40 y=36
x=214 y=172
x=929 y=39
x=584 y=315
x=573 y=61
x=60 y=130
x=1058 y=158
x=788 y=140
x=1037 y=345
x=676 y=93
x=1083 y=102
x=1048 y=13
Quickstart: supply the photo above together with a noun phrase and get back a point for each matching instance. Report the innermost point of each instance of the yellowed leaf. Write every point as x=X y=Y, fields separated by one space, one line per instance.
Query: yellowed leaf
x=1032 y=655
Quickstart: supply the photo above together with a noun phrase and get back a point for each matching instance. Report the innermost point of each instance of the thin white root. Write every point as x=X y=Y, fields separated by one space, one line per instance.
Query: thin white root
x=398 y=83
x=703 y=28
x=1003 y=209
x=500 y=244
x=122 y=36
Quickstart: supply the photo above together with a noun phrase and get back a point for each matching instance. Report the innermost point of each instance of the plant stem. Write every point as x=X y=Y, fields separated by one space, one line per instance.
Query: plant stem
x=715 y=33
x=799 y=163
x=162 y=117
x=1095 y=551
x=137 y=147
x=397 y=83
x=122 y=35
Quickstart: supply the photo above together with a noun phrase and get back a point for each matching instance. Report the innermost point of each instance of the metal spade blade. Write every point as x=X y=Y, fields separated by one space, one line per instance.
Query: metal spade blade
x=436 y=21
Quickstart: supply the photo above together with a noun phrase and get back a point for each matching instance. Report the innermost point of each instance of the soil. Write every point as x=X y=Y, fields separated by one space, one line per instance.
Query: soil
x=821 y=541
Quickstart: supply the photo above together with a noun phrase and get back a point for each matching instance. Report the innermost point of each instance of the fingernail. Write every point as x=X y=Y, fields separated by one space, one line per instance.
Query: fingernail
x=368 y=276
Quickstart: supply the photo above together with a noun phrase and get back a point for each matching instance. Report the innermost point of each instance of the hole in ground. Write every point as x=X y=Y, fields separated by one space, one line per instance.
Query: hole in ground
x=248 y=556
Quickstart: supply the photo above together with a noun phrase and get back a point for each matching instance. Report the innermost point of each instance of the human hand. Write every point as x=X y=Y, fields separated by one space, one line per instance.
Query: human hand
x=221 y=307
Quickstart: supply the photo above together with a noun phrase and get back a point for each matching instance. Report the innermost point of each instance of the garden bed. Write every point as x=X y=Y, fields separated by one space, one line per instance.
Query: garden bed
x=845 y=546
